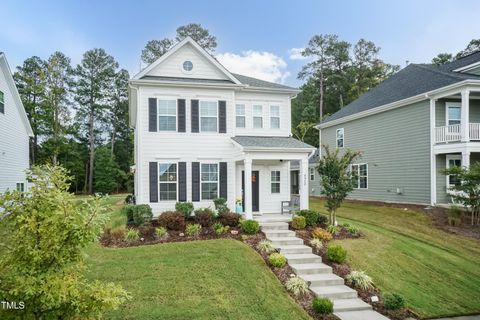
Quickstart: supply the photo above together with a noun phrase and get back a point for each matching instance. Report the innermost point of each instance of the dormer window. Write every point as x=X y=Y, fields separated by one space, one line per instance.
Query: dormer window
x=188 y=66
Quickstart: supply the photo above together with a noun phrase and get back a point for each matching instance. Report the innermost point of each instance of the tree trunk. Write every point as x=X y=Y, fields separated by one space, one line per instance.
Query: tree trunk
x=112 y=144
x=341 y=101
x=92 y=153
x=321 y=95
x=55 y=133
x=85 y=183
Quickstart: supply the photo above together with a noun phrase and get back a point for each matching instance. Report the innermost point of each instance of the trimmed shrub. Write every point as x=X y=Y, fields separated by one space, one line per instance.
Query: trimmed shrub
x=193 y=230
x=172 y=220
x=221 y=205
x=130 y=199
x=265 y=246
x=244 y=237
x=250 y=226
x=322 y=219
x=298 y=223
x=297 y=286
x=455 y=216
x=229 y=219
x=316 y=243
x=138 y=214
x=322 y=305
x=132 y=235
x=311 y=217
x=204 y=217
x=185 y=208
x=332 y=229
x=360 y=280
x=277 y=260
x=336 y=253
x=393 y=301
x=220 y=229
x=161 y=232
x=322 y=234
x=353 y=230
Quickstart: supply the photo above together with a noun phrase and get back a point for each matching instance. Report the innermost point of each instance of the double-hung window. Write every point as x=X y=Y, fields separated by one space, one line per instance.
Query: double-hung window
x=312 y=174
x=275 y=181
x=2 y=102
x=360 y=173
x=257 y=116
x=208 y=116
x=340 y=137
x=453 y=161
x=167 y=115
x=168 y=181
x=240 y=116
x=274 y=117
x=454 y=114
x=20 y=186
x=209 y=179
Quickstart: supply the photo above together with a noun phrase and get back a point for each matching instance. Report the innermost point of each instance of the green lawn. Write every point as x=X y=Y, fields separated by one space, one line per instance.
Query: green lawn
x=437 y=272
x=216 y=279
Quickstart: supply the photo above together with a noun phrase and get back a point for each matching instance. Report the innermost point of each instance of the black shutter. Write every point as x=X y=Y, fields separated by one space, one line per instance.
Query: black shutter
x=182 y=181
x=223 y=180
x=195 y=181
x=152 y=114
x=153 y=182
x=222 y=116
x=181 y=115
x=194 y=107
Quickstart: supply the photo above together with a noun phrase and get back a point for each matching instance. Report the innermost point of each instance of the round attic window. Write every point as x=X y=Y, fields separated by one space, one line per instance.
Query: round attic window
x=188 y=66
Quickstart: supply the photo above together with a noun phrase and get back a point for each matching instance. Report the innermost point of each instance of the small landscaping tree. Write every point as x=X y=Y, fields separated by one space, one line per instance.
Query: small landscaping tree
x=468 y=191
x=335 y=177
x=43 y=234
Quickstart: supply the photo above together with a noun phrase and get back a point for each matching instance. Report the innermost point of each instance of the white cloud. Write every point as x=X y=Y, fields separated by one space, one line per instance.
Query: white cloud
x=262 y=65
x=296 y=54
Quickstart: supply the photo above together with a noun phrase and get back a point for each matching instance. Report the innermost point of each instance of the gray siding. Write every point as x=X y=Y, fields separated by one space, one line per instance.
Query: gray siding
x=314 y=185
x=440 y=112
x=396 y=146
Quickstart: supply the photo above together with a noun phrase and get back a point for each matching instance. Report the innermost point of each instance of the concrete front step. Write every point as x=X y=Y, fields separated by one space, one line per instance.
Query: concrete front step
x=278 y=241
x=322 y=279
x=273 y=218
x=294 y=249
x=303 y=258
x=271 y=234
x=273 y=226
x=355 y=304
x=360 y=315
x=334 y=292
x=310 y=268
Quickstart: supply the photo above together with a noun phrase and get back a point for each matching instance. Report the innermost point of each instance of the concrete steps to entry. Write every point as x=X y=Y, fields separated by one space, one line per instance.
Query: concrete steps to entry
x=322 y=279
x=310 y=268
x=342 y=305
x=272 y=234
x=273 y=226
x=294 y=258
x=334 y=292
x=360 y=315
x=286 y=249
x=279 y=241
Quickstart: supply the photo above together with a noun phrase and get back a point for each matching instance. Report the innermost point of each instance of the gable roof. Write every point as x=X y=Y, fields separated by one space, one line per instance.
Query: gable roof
x=413 y=80
x=16 y=96
x=254 y=82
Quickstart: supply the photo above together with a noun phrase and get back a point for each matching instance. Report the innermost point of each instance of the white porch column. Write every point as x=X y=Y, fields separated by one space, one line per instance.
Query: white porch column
x=465 y=116
x=466 y=159
x=248 y=188
x=303 y=183
x=433 y=157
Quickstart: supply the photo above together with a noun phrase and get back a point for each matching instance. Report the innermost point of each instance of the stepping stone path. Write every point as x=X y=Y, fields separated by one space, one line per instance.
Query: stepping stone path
x=322 y=281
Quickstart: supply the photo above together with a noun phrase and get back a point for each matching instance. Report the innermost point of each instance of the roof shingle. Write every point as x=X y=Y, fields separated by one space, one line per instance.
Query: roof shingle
x=270 y=142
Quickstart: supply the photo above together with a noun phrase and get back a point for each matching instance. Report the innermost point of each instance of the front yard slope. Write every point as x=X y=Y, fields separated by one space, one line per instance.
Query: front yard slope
x=216 y=279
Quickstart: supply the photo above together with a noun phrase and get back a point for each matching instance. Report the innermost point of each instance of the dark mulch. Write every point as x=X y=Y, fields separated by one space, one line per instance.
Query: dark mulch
x=306 y=234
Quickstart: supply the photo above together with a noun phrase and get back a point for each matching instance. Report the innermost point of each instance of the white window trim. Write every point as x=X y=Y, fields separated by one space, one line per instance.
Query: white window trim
x=218 y=179
x=3 y=102
x=158 y=181
x=447 y=166
x=312 y=174
x=273 y=117
x=244 y=116
x=255 y=116
x=336 y=137
x=452 y=104
x=200 y=115
x=358 y=175
x=167 y=115
x=279 y=182
x=187 y=71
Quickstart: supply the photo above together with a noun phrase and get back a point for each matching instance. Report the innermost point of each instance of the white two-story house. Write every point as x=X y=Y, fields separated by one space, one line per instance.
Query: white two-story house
x=15 y=132
x=202 y=132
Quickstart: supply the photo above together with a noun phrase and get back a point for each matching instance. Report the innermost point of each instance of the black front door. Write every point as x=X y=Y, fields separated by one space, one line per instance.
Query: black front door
x=255 y=191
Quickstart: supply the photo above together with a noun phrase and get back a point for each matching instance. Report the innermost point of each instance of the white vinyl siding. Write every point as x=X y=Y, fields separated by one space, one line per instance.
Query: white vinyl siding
x=274 y=117
x=208 y=116
x=275 y=181
x=360 y=171
x=240 y=116
x=167 y=115
x=167 y=181
x=340 y=138
x=257 y=117
x=209 y=180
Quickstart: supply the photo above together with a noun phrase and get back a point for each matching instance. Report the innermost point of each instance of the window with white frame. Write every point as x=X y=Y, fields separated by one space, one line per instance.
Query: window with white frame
x=208 y=116
x=360 y=174
x=453 y=161
x=209 y=180
x=275 y=181
x=240 y=116
x=340 y=138
x=274 y=117
x=312 y=174
x=257 y=116
x=167 y=115
x=454 y=114
x=168 y=181
x=2 y=102
x=20 y=186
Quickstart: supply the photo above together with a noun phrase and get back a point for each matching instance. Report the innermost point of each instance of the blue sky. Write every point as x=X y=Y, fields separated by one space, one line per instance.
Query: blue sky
x=254 y=37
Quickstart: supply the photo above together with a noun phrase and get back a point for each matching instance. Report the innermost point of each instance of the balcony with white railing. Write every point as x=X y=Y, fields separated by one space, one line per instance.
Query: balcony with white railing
x=453 y=133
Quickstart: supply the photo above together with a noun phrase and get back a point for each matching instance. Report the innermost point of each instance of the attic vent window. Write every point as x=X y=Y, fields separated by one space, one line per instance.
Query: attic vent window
x=188 y=66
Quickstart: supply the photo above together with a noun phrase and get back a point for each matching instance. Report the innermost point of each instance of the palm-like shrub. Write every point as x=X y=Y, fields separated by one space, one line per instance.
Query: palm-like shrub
x=265 y=246
x=297 y=286
x=161 y=232
x=132 y=235
x=193 y=230
x=360 y=280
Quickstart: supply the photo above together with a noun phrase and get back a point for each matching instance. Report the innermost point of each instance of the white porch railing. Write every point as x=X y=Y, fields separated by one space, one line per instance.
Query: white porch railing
x=448 y=133
x=474 y=131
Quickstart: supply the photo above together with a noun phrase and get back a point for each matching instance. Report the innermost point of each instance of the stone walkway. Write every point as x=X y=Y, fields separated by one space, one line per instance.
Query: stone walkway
x=322 y=281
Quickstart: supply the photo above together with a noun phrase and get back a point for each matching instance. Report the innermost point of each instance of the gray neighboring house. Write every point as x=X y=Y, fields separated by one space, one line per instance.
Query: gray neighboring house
x=313 y=176
x=421 y=120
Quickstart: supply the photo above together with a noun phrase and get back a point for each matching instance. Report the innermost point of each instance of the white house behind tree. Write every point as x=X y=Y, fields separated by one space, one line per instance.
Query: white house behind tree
x=15 y=131
x=202 y=132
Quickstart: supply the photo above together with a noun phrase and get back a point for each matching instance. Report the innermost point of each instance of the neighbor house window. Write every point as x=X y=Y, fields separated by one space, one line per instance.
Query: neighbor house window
x=360 y=173
x=454 y=114
x=275 y=117
x=208 y=116
x=2 y=102
x=453 y=161
x=240 y=115
x=257 y=116
x=167 y=115
x=312 y=174
x=168 y=181
x=340 y=138
x=20 y=186
x=275 y=181
x=209 y=178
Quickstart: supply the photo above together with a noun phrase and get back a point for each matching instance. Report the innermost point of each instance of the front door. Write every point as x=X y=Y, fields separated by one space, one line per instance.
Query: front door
x=255 y=191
